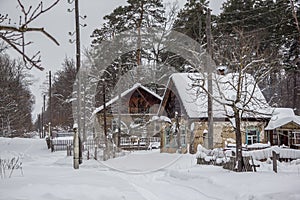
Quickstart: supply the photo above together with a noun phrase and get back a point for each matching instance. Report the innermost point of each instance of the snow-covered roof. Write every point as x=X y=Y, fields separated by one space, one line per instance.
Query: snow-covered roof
x=133 y=88
x=194 y=100
x=282 y=116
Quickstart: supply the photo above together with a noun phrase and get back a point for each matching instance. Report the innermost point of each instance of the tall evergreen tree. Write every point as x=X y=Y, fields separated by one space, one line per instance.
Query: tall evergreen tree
x=191 y=20
x=135 y=17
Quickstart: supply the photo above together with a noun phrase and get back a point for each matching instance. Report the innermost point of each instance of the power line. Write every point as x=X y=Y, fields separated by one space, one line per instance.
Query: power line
x=253 y=9
x=263 y=41
x=248 y=18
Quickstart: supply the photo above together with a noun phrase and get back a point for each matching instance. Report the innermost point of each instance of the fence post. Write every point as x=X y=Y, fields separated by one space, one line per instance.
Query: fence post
x=68 y=150
x=96 y=152
x=275 y=157
x=253 y=165
x=52 y=146
x=76 y=148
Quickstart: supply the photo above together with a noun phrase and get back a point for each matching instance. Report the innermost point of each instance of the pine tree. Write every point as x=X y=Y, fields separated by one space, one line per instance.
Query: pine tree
x=191 y=20
x=136 y=17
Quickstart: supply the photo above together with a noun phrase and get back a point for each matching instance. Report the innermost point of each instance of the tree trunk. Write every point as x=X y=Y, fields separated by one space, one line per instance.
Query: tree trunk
x=238 y=135
x=139 y=39
x=105 y=157
x=295 y=90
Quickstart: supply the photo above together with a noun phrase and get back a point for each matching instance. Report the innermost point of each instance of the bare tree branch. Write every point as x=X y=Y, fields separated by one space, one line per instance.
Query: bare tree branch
x=295 y=15
x=23 y=30
x=15 y=36
x=25 y=57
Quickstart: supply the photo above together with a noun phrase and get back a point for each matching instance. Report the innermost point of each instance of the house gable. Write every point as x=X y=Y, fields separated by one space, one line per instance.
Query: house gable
x=141 y=101
x=137 y=99
x=194 y=101
x=137 y=103
x=171 y=103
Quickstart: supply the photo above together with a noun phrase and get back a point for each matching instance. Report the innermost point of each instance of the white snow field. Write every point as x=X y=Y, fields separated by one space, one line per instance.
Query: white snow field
x=144 y=175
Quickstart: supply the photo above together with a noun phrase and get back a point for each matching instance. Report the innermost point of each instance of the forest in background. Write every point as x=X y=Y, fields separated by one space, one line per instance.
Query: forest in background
x=245 y=31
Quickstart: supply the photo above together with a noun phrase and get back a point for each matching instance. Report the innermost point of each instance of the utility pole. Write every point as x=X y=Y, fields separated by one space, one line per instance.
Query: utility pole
x=119 y=108
x=50 y=107
x=39 y=125
x=77 y=126
x=210 y=86
x=43 y=115
x=78 y=62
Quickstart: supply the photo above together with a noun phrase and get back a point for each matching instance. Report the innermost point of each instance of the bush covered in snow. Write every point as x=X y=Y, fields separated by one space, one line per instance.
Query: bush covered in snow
x=215 y=156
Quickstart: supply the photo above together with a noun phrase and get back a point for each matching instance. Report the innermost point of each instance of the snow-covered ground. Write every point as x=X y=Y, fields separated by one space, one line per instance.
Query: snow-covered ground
x=144 y=175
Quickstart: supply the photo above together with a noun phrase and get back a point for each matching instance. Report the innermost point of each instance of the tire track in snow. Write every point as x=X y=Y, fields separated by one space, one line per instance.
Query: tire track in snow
x=162 y=168
x=131 y=179
x=193 y=189
x=198 y=191
x=147 y=194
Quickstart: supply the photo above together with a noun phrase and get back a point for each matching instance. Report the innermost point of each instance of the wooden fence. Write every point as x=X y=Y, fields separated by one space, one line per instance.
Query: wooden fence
x=61 y=144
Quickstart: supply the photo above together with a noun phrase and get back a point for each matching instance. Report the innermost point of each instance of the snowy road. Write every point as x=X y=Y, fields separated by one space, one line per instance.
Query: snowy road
x=137 y=176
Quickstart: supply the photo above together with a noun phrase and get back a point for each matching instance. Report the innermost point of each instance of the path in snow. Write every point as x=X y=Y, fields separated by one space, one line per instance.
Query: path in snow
x=144 y=175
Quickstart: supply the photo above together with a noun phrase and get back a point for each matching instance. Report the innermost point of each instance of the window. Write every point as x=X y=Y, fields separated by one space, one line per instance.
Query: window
x=167 y=135
x=182 y=139
x=296 y=137
x=275 y=138
x=252 y=136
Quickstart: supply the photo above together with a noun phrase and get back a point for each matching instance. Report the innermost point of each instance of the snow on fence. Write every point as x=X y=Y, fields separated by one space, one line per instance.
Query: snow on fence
x=284 y=153
x=226 y=158
x=135 y=143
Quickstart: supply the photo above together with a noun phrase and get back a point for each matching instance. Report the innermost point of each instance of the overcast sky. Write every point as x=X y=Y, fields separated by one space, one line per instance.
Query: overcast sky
x=59 y=22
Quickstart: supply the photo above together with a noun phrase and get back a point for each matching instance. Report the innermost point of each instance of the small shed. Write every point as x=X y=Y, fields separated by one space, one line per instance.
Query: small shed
x=284 y=128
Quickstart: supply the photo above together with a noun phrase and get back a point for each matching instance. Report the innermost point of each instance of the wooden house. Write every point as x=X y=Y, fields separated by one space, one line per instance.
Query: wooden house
x=136 y=106
x=284 y=128
x=186 y=105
